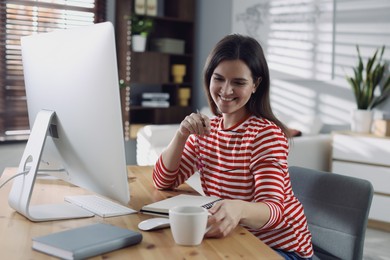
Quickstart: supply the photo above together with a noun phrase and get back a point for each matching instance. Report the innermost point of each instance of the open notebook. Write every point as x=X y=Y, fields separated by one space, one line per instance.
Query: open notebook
x=161 y=208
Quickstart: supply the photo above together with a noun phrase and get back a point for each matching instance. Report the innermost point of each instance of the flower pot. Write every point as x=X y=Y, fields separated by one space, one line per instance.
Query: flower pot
x=361 y=120
x=138 y=43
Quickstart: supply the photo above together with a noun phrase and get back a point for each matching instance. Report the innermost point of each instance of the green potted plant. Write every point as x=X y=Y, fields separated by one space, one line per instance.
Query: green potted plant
x=141 y=26
x=371 y=86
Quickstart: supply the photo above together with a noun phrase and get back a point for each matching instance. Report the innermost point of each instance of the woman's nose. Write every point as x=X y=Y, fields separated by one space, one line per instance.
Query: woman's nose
x=226 y=88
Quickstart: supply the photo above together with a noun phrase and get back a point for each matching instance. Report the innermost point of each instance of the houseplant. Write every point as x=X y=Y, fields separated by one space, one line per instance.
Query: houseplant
x=140 y=28
x=371 y=86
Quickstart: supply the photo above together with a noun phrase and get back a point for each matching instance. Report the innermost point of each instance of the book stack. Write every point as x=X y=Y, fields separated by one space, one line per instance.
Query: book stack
x=168 y=45
x=157 y=99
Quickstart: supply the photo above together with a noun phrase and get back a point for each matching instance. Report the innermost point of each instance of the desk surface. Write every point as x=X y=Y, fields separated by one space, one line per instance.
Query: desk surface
x=16 y=231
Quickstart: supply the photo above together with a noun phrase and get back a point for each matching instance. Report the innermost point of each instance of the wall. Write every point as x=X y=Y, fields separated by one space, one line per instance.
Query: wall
x=213 y=22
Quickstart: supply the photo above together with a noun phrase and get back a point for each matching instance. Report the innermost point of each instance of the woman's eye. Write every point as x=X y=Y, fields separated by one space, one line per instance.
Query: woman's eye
x=239 y=83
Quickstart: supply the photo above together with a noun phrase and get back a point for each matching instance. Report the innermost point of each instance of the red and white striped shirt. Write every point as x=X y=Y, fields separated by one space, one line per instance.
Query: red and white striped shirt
x=246 y=162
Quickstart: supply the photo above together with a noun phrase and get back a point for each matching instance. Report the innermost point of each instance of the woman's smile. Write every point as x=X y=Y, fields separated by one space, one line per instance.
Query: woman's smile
x=226 y=99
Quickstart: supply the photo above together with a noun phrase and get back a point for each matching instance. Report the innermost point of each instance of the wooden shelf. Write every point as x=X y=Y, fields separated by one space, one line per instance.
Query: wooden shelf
x=163 y=115
x=150 y=71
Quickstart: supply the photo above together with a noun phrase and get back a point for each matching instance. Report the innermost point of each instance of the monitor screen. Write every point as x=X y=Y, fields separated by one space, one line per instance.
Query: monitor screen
x=73 y=74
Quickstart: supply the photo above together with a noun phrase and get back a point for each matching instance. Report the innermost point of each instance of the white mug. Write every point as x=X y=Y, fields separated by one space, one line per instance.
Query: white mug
x=188 y=224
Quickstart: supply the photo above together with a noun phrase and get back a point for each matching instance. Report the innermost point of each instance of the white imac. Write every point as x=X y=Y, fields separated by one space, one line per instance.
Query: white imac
x=74 y=109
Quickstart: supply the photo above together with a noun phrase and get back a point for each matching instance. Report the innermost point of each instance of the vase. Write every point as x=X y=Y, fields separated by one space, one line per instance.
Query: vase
x=138 y=43
x=178 y=72
x=361 y=121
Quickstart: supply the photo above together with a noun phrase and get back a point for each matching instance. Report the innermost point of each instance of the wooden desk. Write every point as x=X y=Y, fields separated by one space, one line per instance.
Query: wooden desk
x=16 y=231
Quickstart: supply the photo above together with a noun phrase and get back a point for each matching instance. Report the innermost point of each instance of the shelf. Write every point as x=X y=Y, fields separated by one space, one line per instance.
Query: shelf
x=150 y=71
x=168 y=19
x=163 y=115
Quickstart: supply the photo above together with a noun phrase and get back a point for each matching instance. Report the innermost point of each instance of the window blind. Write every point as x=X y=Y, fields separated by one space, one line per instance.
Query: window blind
x=314 y=39
x=20 y=18
x=296 y=35
x=300 y=38
x=363 y=23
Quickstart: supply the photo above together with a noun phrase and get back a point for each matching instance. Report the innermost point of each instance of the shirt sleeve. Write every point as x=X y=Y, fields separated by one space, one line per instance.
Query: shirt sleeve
x=164 y=178
x=269 y=167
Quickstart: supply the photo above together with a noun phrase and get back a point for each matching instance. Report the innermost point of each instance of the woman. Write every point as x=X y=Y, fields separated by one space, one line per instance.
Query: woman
x=241 y=153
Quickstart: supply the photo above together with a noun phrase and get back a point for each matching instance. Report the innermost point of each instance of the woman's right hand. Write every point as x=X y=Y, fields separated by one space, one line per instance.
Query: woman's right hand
x=195 y=123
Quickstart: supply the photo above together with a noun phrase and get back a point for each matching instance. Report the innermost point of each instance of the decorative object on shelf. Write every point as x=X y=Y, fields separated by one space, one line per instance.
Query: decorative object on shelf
x=381 y=128
x=371 y=87
x=361 y=120
x=168 y=45
x=178 y=72
x=151 y=7
x=140 y=29
x=140 y=7
x=184 y=96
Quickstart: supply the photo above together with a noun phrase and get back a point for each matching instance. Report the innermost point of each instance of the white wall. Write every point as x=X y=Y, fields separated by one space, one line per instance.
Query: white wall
x=213 y=22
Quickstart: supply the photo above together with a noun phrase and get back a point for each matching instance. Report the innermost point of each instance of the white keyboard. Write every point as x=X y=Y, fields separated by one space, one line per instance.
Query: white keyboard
x=99 y=206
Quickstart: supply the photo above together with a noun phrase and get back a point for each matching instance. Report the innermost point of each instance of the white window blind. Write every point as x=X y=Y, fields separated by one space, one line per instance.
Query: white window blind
x=20 y=18
x=296 y=35
x=359 y=22
x=300 y=38
x=314 y=39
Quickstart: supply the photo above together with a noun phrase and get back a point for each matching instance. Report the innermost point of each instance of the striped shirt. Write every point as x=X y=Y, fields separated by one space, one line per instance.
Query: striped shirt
x=246 y=162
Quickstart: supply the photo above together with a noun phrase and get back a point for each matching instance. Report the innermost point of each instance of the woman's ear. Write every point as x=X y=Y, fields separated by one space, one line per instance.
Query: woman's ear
x=259 y=79
x=257 y=84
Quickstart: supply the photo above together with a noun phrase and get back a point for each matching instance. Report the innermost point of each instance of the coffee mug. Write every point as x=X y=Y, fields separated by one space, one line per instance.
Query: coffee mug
x=188 y=224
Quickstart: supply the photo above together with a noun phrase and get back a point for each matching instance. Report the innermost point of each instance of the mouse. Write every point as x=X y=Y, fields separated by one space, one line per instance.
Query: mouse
x=153 y=224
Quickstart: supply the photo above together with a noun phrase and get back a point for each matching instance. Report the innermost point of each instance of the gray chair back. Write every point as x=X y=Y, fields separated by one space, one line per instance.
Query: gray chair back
x=336 y=207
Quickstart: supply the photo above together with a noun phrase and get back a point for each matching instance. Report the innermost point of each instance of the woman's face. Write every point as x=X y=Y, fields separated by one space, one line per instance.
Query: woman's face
x=231 y=86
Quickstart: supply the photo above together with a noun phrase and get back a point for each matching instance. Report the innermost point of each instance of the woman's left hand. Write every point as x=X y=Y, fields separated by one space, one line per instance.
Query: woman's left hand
x=226 y=215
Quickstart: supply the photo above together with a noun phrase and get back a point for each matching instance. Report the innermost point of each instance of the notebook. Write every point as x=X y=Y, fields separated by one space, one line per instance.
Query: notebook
x=161 y=208
x=86 y=241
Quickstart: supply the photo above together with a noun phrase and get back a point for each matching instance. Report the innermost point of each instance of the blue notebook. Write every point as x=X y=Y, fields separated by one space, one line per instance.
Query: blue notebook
x=86 y=241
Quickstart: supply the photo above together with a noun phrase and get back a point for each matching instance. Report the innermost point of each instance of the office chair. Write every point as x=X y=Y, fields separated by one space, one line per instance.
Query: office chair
x=336 y=207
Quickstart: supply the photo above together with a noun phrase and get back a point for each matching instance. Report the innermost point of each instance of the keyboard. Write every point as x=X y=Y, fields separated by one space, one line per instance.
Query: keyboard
x=99 y=206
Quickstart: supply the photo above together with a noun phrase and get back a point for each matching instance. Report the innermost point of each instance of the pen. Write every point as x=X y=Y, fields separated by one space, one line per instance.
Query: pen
x=201 y=118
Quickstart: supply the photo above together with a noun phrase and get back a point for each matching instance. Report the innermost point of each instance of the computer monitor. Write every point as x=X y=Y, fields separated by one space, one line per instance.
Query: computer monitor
x=73 y=100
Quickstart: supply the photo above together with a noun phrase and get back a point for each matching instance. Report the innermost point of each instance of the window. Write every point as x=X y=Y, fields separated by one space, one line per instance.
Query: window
x=25 y=18
x=314 y=39
x=363 y=23
x=311 y=46
x=296 y=35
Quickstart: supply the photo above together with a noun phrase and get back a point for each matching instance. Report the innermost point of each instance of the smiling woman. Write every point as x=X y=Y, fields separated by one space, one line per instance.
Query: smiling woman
x=24 y=18
x=240 y=152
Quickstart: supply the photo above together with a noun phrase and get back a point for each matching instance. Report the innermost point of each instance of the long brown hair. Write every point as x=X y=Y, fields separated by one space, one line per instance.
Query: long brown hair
x=248 y=50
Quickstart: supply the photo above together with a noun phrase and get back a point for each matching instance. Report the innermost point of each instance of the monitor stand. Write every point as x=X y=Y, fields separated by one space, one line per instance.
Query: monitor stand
x=21 y=192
